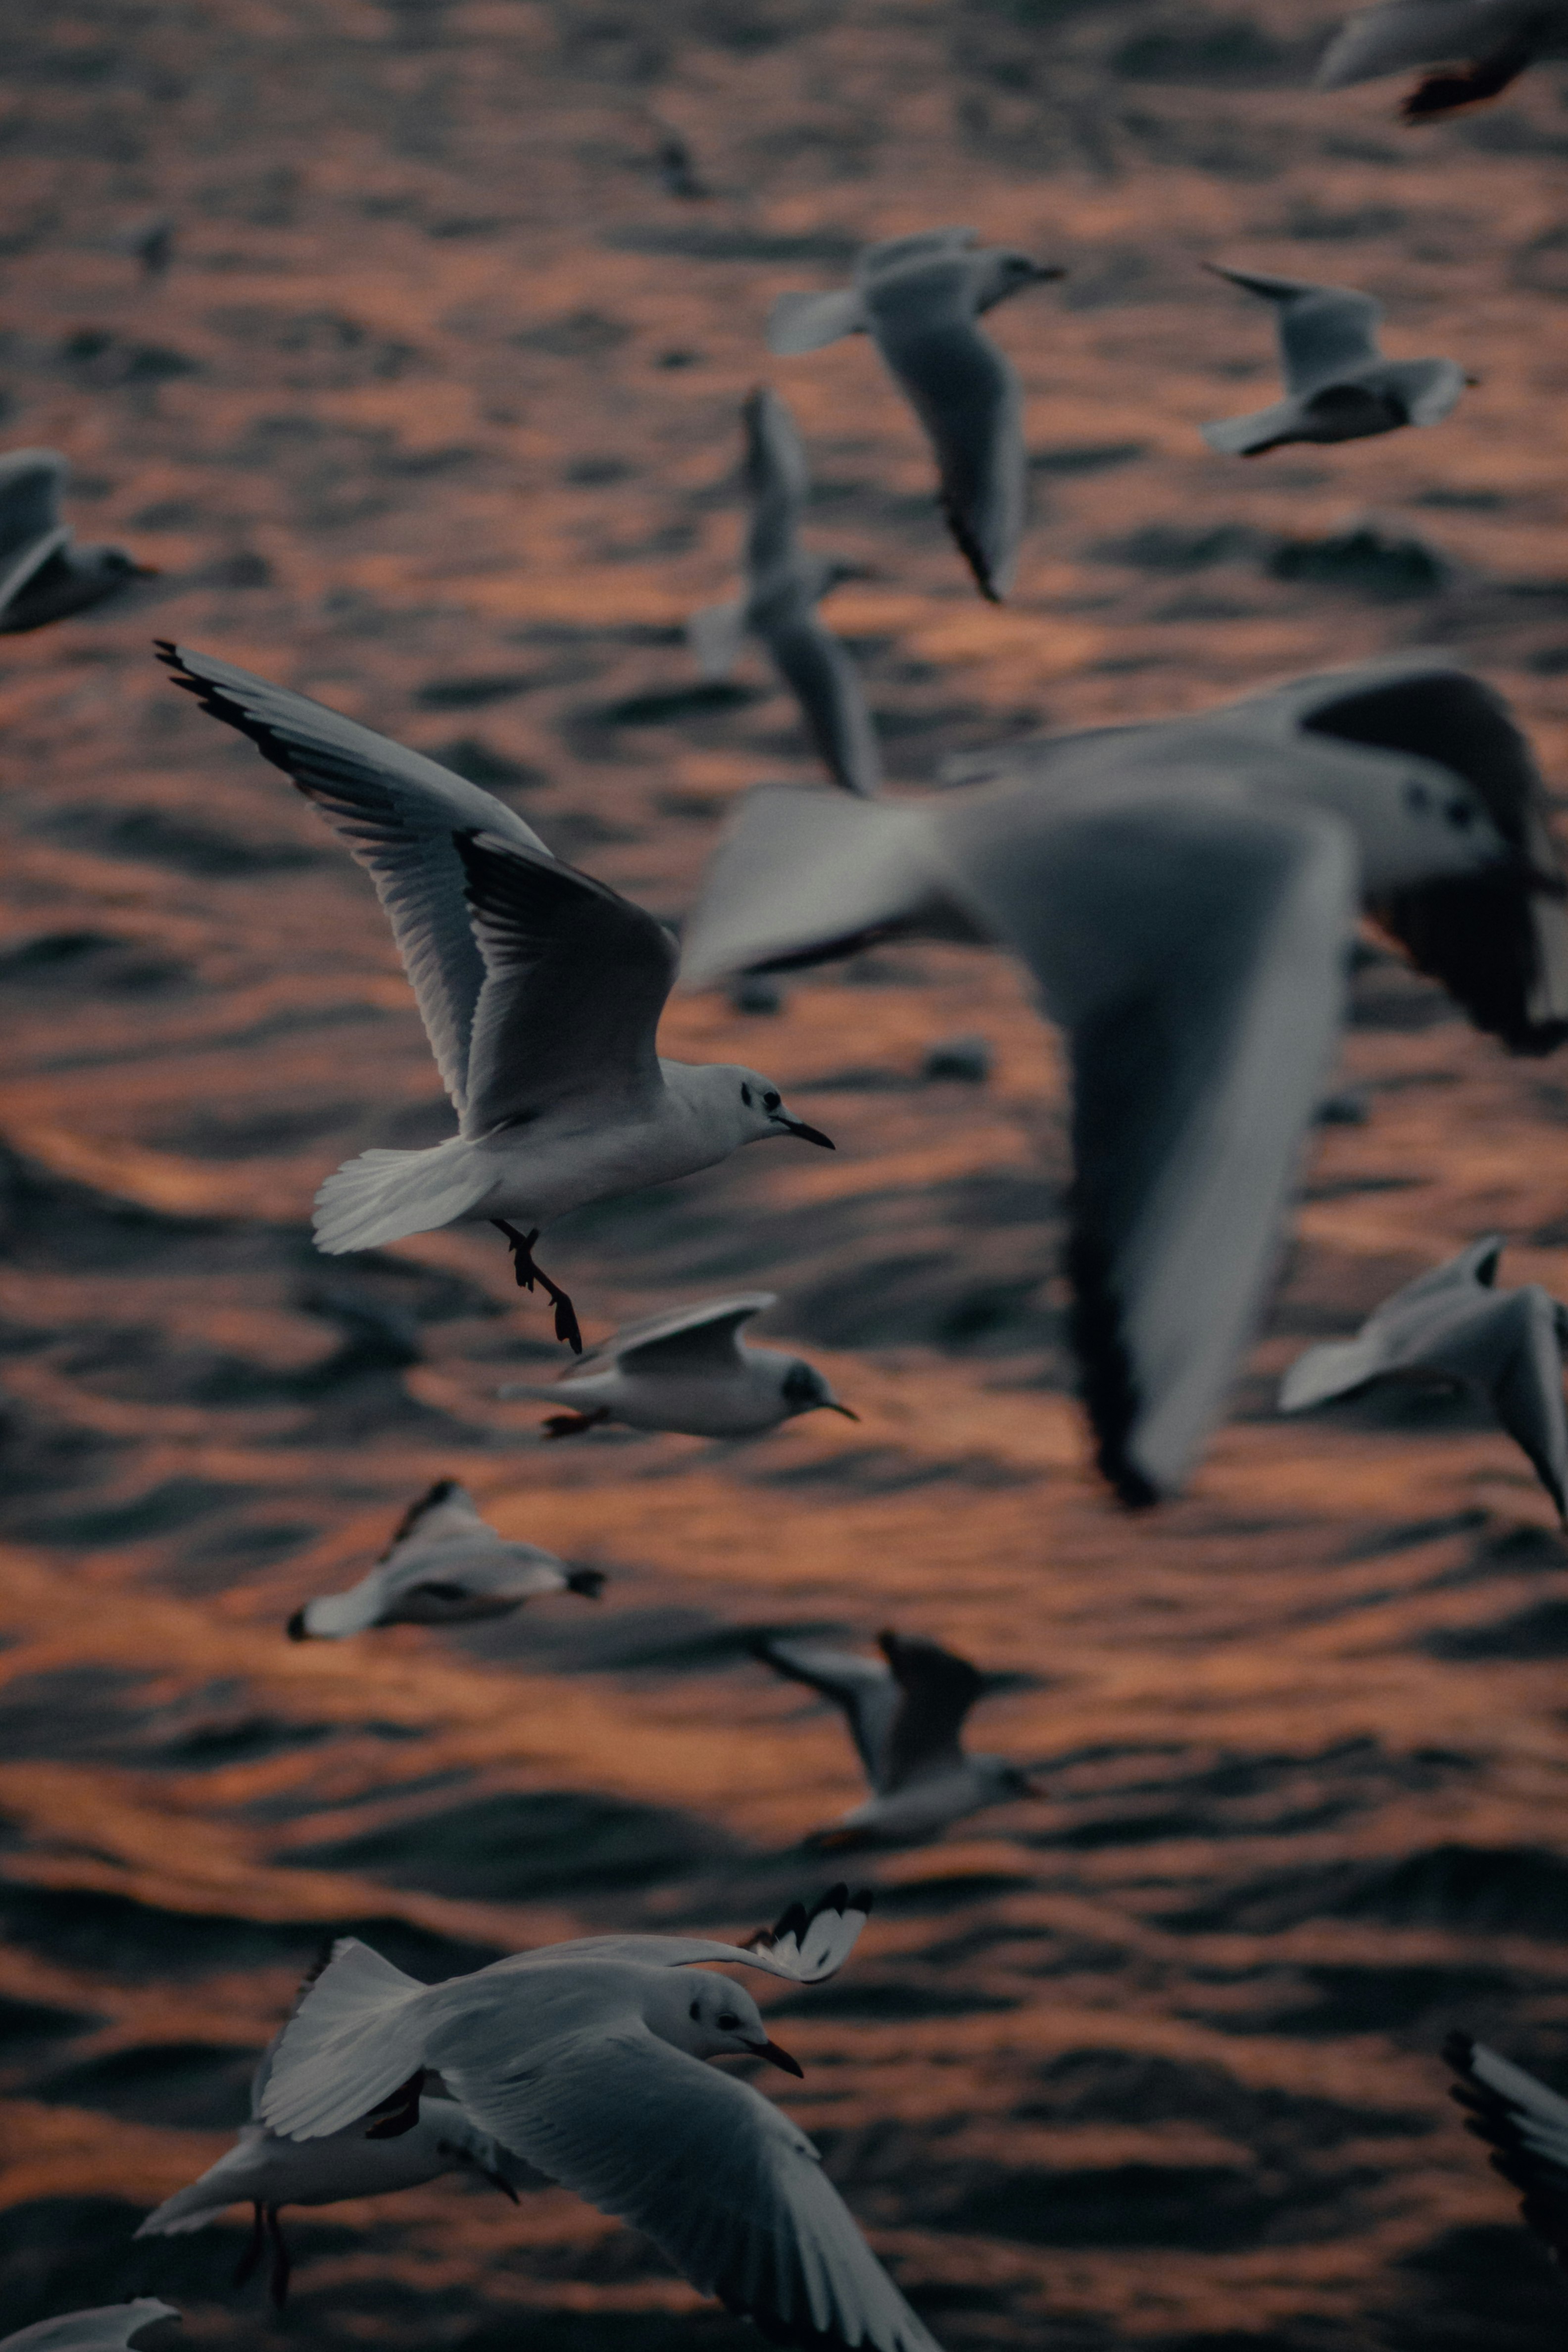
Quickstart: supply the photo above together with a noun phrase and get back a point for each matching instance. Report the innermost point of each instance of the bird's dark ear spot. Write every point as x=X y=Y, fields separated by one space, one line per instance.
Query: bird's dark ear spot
x=746 y=1095
x=696 y=2012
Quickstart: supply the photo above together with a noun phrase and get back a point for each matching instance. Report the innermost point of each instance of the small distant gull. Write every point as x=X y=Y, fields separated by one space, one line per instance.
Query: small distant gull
x=687 y=1370
x=1479 y=48
x=676 y=165
x=1451 y=1325
x=108 y=2327
x=152 y=242
x=586 y=2061
x=906 y=1718
x=919 y=298
x=267 y=2172
x=1338 y=384
x=1183 y=893
x=540 y=989
x=44 y=576
x=444 y=1566
x=1526 y=2126
x=784 y=586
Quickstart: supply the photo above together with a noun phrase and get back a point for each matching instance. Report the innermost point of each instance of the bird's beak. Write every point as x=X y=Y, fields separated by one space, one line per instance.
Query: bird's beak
x=503 y=2184
x=1475 y=380
x=831 y=1404
x=806 y=1134
x=147 y=570
x=777 y=2057
x=298 y=1629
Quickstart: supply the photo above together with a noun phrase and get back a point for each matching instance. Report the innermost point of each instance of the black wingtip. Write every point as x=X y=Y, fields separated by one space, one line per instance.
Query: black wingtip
x=297 y=1629
x=1109 y=1390
x=588 y=1582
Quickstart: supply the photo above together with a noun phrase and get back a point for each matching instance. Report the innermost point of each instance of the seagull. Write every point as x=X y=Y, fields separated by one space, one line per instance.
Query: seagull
x=1479 y=47
x=1184 y=894
x=1506 y=1345
x=689 y=1371
x=540 y=989
x=785 y=586
x=444 y=1566
x=108 y=2328
x=919 y=298
x=906 y=1718
x=586 y=2061
x=1526 y=2126
x=44 y=576
x=267 y=2172
x=1338 y=385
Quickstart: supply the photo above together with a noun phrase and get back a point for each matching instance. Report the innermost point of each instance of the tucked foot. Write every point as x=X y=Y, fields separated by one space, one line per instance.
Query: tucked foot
x=1447 y=91
x=253 y=2251
x=572 y=1424
x=522 y=1263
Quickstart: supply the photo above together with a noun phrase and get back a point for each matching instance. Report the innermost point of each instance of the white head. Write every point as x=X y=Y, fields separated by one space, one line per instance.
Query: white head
x=804 y=1390
x=708 y=2017
x=741 y=1104
x=997 y=274
x=1002 y=1780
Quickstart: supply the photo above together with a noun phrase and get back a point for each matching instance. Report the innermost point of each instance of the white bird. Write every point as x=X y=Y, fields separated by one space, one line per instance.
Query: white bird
x=585 y=2059
x=540 y=989
x=1478 y=46
x=919 y=298
x=1338 y=384
x=44 y=576
x=783 y=587
x=444 y=1566
x=906 y=1718
x=1505 y=1345
x=109 y=2327
x=1526 y=2126
x=689 y=1371
x=267 y=2172
x=1184 y=894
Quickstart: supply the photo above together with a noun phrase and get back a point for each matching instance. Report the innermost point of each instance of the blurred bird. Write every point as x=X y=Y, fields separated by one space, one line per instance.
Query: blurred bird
x=676 y=165
x=1479 y=47
x=783 y=587
x=1338 y=385
x=1505 y=1345
x=1526 y=2126
x=540 y=989
x=1183 y=893
x=44 y=576
x=152 y=242
x=111 y=2328
x=444 y=1566
x=919 y=298
x=906 y=1718
x=687 y=1370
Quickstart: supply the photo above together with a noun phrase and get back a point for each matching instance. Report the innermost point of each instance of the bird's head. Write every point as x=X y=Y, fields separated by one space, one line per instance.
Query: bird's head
x=1007 y=1779
x=804 y=1390
x=710 y=2017
x=757 y=1108
x=1006 y=271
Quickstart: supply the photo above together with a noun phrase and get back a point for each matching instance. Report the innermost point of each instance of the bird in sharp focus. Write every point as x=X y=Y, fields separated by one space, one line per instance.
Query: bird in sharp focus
x=1338 y=384
x=44 y=574
x=540 y=991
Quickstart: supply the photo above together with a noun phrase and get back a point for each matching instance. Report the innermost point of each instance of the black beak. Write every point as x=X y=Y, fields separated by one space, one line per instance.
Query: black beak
x=504 y=2185
x=777 y=2057
x=806 y=1134
x=298 y=1629
x=831 y=1404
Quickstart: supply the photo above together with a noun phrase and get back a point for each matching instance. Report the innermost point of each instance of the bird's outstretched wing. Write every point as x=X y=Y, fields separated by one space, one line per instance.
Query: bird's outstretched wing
x=814 y=665
x=778 y=481
x=805 y=1946
x=967 y=394
x=704 y=1338
x=111 y=2328
x=1325 y=331
x=729 y=2189
x=863 y=1688
x=31 y=481
x=1408 y=33
x=398 y=813
x=1525 y=2125
x=447 y=1509
x=938 y=1690
x=576 y=979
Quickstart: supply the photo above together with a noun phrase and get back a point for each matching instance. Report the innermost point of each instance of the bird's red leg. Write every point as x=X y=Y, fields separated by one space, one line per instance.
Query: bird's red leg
x=528 y=1273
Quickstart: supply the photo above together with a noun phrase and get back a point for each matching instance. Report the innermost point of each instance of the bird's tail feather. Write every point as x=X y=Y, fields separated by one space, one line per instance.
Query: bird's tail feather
x=384 y=1195
x=358 y=2036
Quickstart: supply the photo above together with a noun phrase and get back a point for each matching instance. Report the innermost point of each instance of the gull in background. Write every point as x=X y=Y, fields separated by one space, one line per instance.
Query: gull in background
x=920 y=298
x=267 y=2172
x=1338 y=384
x=906 y=1718
x=1479 y=47
x=540 y=989
x=44 y=576
x=1526 y=2126
x=444 y=1566
x=109 y=2327
x=586 y=2061
x=783 y=587
x=1184 y=894
x=1506 y=1345
x=689 y=1371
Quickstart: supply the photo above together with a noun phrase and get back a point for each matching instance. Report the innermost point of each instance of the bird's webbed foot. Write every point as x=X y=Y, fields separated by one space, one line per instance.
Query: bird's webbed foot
x=528 y=1273
x=574 y=1424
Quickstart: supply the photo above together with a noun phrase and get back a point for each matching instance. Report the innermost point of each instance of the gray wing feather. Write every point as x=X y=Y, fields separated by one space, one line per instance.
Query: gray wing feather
x=1417 y=33
x=966 y=393
x=31 y=481
x=108 y=2328
x=690 y=1338
x=863 y=1688
x=805 y=323
x=1325 y=331
x=778 y=481
x=814 y=665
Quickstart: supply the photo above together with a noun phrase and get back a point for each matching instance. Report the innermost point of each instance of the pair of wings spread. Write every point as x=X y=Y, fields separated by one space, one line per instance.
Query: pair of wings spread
x=540 y=989
x=906 y=1717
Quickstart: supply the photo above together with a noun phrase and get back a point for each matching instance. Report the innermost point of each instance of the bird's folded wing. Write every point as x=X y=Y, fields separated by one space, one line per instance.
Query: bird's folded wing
x=20 y=565
x=31 y=481
x=442 y=1511
x=778 y=481
x=938 y=1690
x=1527 y=2126
x=109 y=2328
x=806 y=1946
x=967 y=394
x=1417 y=33
x=863 y=1687
x=695 y=1340
x=729 y=2189
x=575 y=979
x=814 y=663
x=397 y=812
x=1194 y=950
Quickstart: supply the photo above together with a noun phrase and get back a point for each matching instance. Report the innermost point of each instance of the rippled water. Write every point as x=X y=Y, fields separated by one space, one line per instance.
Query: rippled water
x=435 y=416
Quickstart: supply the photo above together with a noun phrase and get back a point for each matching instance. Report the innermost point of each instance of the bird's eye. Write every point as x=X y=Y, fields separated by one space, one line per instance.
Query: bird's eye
x=1416 y=796
x=772 y=1100
x=696 y=2012
x=1460 y=814
x=746 y=1096
x=728 y=2022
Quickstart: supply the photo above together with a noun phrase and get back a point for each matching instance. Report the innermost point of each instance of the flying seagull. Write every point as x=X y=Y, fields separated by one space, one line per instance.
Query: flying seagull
x=1338 y=385
x=906 y=1718
x=111 y=2328
x=1451 y=1325
x=919 y=300
x=1526 y=2126
x=1184 y=894
x=586 y=2061
x=540 y=989
x=444 y=1566
x=783 y=587
x=689 y=1371
x=1477 y=46
x=44 y=574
